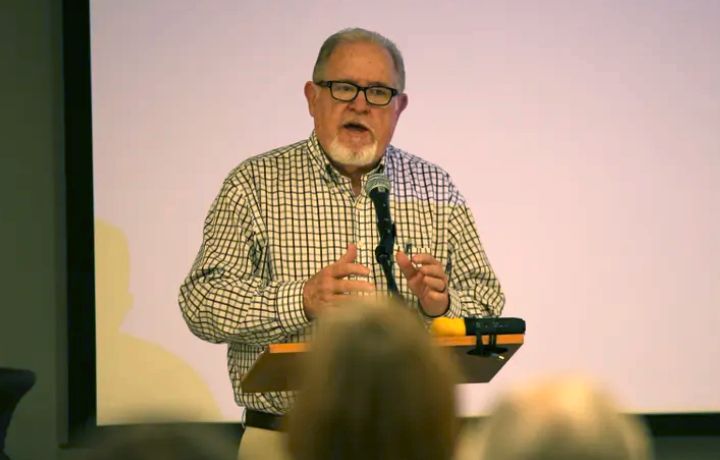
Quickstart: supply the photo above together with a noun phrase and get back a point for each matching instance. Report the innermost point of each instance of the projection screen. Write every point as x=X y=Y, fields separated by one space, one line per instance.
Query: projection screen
x=583 y=134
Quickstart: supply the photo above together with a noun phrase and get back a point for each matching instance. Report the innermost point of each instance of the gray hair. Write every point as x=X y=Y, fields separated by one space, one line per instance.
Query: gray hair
x=354 y=35
x=559 y=418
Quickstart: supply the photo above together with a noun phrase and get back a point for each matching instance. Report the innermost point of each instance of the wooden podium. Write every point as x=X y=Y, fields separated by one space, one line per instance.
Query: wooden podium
x=277 y=367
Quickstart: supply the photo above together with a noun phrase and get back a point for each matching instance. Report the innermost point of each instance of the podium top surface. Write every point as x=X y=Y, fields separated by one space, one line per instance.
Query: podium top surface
x=277 y=368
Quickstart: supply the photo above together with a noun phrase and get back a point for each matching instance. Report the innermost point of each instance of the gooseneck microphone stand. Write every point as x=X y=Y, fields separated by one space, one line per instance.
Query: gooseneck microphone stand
x=383 y=255
x=378 y=189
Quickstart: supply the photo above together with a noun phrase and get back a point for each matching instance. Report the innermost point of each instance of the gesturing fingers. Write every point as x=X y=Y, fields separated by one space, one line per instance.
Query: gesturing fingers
x=343 y=269
x=406 y=265
x=424 y=273
x=436 y=284
x=425 y=259
x=351 y=286
x=330 y=285
x=435 y=270
x=350 y=254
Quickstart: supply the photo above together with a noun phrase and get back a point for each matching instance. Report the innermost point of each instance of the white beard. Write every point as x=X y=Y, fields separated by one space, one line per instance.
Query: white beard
x=345 y=156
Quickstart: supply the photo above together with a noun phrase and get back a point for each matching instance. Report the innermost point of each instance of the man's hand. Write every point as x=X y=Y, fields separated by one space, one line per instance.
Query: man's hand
x=329 y=285
x=428 y=281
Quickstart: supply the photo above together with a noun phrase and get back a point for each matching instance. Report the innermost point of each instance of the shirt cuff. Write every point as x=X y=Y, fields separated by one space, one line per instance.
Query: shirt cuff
x=291 y=314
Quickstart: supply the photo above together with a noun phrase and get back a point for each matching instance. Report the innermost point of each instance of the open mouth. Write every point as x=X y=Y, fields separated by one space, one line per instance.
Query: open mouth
x=355 y=127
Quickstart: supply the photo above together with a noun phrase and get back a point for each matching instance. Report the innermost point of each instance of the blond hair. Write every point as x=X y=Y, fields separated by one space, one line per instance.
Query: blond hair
x=561 y=418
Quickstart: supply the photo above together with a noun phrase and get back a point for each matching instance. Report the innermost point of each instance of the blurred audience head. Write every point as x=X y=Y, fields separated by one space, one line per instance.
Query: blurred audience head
x=164 y=442
x=561 y=418
x=374 y=387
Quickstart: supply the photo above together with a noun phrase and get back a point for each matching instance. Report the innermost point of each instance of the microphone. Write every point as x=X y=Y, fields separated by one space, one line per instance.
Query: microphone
x=479 y=327
x=457 y=327
x=377 y=188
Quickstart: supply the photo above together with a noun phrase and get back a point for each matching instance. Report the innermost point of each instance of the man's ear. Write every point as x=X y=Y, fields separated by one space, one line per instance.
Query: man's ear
x=402 y=102
x=310 y=96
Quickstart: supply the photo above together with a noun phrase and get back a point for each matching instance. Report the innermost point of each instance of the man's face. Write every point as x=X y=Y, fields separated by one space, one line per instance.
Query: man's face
x=355 y=134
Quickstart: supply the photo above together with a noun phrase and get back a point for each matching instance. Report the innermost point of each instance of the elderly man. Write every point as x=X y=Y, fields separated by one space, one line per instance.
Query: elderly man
x=292 y=231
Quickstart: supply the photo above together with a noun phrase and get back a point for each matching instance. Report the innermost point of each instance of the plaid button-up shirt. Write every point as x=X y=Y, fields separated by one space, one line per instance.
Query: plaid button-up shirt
x=282 y=216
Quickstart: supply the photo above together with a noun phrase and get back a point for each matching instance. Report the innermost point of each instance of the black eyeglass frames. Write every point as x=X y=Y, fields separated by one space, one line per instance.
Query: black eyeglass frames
x=346 y=91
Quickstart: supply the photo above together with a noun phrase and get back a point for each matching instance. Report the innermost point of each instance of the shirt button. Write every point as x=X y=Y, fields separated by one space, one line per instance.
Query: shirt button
x=361 y=244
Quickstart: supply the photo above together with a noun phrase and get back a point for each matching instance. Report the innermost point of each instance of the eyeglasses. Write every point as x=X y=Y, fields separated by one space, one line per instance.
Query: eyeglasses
x=345 y=91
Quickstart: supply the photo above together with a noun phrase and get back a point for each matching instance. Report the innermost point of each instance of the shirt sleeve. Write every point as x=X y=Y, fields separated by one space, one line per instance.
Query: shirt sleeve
x=474 y=289
x=230 y=294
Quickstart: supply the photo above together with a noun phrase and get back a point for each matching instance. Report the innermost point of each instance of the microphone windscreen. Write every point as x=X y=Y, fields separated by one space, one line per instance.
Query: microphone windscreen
x=448 y=327
x=377 y=181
